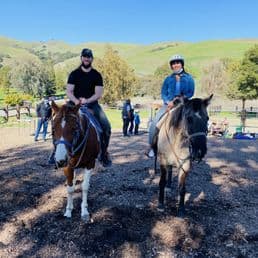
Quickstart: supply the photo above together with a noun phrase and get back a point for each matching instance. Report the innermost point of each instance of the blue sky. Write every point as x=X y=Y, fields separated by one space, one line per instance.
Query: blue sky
x=131 y=21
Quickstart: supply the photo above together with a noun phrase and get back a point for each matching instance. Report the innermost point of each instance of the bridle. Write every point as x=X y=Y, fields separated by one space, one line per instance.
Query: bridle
x=188 y=138
x=72 y=146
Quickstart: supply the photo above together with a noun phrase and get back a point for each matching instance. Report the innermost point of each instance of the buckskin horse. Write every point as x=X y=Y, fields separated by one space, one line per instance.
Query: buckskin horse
x=77 y=146
x=181 y=140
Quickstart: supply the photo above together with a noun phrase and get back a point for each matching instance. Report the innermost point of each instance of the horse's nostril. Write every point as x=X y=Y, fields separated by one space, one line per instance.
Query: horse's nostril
x=61 y=163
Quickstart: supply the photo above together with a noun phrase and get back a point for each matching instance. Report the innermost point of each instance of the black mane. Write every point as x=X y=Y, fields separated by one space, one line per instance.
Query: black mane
x=189 y=106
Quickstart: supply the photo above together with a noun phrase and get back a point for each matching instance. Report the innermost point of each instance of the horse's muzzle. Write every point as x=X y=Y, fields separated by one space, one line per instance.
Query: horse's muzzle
x=61 y=163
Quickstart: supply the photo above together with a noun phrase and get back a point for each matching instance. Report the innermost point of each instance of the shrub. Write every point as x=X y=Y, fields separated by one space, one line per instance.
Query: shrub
x=16 y=98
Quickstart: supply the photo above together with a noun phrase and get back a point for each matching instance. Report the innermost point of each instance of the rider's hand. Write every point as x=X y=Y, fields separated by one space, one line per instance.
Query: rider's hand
x=77 y=102
x=83 y=100
x=170 y=104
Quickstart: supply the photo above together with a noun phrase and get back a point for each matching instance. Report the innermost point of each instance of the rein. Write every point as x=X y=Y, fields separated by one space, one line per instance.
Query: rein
x=84 y=147
x=188 y=137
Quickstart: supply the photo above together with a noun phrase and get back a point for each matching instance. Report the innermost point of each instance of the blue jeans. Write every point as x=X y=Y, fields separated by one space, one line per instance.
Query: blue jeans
x=153 y=129
x=41 y=123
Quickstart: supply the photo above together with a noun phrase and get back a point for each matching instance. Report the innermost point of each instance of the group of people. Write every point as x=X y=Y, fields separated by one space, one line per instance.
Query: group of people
x=85 y=88
x=131 y=119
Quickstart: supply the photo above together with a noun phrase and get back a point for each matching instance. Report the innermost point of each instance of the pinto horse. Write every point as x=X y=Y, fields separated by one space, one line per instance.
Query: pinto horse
x=181 y=140
x=77 y=146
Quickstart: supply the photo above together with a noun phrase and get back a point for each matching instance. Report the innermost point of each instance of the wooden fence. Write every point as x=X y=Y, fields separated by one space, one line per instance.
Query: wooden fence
x=10 y=111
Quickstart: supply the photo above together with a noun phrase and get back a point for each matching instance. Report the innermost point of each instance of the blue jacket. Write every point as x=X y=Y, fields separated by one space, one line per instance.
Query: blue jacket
x=168 y=91
x=136 y=119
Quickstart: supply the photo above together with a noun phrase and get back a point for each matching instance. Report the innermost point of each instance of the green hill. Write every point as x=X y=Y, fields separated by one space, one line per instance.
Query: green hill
x=143 y=58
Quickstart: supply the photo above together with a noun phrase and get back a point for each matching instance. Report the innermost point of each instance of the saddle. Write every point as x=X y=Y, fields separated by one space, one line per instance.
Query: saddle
x=85 y=111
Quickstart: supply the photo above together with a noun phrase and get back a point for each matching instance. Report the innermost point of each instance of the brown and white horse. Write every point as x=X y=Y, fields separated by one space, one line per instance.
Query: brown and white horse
x=77 y=146
x=181 y=140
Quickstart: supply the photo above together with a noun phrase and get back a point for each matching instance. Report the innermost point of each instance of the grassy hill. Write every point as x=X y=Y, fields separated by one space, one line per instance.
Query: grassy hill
x=143 y=58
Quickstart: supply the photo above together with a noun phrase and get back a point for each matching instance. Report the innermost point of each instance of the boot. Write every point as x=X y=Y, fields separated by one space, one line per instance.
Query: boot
x=106 y=160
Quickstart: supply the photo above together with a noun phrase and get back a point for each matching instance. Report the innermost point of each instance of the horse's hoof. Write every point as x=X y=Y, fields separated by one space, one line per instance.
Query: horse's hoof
x=161 y=207
x=68 y=214
x=85 y=218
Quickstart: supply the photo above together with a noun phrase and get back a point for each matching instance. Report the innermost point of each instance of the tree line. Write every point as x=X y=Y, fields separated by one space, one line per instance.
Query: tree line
x=42 y=74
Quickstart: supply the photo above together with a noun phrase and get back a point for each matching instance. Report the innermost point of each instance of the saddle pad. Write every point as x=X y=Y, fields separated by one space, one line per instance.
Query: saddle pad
x=84 y=111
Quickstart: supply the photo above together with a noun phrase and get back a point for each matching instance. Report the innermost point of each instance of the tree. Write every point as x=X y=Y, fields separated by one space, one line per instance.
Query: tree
x=30 y=75
x=60 y=79
x=5 y=78
x=149 y=86
x=163 y=71
x=47 y=80
x=244 y=79
x=215 y=77
x=119 y=79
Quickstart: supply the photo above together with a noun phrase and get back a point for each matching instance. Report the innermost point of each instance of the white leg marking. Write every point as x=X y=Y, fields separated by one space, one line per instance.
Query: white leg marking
x=85 y=188
x=69 y=206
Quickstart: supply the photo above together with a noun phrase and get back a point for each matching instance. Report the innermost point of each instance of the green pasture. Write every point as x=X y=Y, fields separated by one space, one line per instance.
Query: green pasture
x=115 y=118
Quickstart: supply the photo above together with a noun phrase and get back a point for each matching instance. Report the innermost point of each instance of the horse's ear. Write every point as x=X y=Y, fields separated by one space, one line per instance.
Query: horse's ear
x=54 y=107
x=207 y=101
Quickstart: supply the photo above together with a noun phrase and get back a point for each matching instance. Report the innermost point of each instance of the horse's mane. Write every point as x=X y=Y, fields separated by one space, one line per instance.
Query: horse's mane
x=176 y=116
x=182 y=109
x=67 y=108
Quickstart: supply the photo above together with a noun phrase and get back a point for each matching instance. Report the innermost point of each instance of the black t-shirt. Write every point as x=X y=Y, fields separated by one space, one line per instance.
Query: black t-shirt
x=85 y=82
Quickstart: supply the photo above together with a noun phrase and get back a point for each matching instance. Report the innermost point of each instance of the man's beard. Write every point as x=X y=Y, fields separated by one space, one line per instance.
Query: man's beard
x=86 y=66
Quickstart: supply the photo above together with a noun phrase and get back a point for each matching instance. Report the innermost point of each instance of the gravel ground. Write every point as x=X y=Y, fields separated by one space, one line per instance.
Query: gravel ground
x=221 y=203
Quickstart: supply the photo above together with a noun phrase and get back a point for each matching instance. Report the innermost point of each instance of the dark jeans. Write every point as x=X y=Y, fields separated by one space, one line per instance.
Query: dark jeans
x=131 y=126
x=136 y=127
x=104 y=123
x=41 y=123
x=125 y=125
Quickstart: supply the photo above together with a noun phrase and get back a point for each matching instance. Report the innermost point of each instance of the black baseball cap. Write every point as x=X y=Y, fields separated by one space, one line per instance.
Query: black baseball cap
x=86 y=52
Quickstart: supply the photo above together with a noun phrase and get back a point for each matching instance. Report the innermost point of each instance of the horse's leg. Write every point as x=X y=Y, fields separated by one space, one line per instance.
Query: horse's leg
x=69 y=173
x=162 y=184
x=169 y=179
x=181 y=188
x=155 y=165
x=85 y=187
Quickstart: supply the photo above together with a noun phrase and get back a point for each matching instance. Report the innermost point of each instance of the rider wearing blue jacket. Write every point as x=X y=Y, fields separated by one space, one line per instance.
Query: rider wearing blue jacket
x=178 y=84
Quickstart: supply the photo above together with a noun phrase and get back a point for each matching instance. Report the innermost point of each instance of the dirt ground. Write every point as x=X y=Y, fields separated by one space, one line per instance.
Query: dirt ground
x=221 y=203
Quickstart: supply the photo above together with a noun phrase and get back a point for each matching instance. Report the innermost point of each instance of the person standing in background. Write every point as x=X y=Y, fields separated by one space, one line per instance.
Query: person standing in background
x=137 y=122
x=131 y=122
x=44 y=112
x=126 y=116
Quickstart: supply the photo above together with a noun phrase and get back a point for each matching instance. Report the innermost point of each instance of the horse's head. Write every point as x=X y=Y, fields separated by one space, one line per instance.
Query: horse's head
x=66 y=131
x=196 y=122
x=192 y=116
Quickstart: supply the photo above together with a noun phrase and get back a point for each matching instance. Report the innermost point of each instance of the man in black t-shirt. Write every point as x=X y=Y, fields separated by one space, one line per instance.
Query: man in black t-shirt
x=85 y=87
